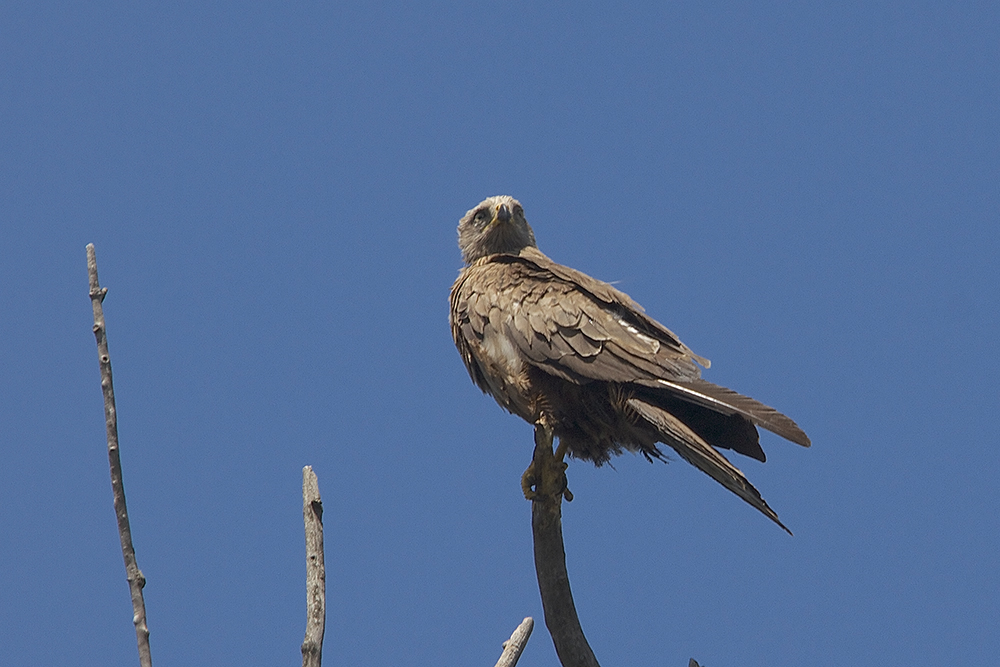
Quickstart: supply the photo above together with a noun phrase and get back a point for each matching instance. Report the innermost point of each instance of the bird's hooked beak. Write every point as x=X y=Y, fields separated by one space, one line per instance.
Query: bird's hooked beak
x=502 y=214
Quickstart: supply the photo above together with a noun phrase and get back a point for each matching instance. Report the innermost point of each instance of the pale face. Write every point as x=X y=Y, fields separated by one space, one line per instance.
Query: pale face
x=497 y=225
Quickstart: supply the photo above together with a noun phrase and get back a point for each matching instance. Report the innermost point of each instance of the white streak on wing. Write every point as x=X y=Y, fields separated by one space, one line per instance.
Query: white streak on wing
x=701 y=398
x=652 y=342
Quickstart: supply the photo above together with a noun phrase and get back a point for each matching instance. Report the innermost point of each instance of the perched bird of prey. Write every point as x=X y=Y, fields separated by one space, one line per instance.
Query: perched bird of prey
x=575 y=356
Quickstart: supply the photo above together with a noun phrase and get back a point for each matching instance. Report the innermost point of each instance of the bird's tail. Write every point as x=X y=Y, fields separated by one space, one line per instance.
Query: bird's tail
x=728 y=402
x=696 y=451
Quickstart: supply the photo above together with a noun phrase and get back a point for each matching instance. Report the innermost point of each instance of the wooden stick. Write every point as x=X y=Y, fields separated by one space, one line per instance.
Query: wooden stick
x=550 y=555
x=312 y=514
x=135 y=579
x=513 y=647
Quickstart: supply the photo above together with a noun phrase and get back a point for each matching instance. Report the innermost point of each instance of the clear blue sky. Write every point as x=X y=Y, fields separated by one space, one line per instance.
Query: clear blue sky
x=808 y=194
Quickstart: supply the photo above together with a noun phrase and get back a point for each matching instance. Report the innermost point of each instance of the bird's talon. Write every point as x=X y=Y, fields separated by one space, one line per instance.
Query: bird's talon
x=560 y=452
x=546 y=475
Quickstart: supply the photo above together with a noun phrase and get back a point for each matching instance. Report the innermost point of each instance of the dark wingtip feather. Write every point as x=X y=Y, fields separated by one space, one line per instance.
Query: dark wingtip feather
x=728 y=401
x=693 y=449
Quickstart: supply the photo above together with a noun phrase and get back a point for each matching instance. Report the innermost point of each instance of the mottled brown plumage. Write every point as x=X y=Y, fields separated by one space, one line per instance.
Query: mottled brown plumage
x=561 y=349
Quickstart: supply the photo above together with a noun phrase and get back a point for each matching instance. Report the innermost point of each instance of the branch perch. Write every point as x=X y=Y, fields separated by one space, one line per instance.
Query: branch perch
x=135 y=579
x=549 y=477
x=312 y=514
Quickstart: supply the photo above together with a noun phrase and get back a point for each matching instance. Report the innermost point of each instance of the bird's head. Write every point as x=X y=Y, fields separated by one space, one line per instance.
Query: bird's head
x=497 y=225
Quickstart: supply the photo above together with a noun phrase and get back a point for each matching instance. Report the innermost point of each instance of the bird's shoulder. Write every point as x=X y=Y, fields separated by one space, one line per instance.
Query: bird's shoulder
x=556 y=314
x=531 y=273
x=614 y=299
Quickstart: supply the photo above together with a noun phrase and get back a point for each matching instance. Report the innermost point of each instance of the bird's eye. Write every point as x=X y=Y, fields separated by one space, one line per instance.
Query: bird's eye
x=518 y=211
x=480 y=217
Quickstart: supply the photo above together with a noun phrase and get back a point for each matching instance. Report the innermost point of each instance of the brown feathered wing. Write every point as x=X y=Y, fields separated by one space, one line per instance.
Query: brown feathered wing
x=582 y=330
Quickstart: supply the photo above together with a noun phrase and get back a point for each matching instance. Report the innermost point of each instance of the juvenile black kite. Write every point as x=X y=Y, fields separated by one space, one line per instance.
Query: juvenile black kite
x=575 y=355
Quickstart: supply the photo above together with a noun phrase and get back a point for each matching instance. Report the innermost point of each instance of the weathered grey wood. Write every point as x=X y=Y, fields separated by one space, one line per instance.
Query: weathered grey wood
x=136 y=581
x=513 y=647
x=312 y=514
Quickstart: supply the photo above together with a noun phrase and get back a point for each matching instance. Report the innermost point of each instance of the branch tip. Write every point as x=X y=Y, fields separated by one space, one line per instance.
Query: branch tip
x=513 y=647
x=136 y=580
x=312 y=515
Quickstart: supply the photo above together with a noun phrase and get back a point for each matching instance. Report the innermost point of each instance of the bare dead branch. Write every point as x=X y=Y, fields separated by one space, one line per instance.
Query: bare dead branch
x=548 y=473
x=513 y=647
x=312 y=514
x=136 y=580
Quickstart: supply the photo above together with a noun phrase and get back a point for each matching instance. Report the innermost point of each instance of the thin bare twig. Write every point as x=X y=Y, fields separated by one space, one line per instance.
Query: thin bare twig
x=550 y=555
x=312 y=514
x=135 y=579
x=513 y=647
